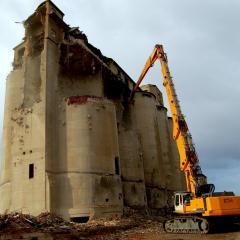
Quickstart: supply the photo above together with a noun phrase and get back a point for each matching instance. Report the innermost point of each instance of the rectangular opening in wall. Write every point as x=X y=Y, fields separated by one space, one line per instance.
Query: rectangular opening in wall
x=31 y=170
x=117 y=169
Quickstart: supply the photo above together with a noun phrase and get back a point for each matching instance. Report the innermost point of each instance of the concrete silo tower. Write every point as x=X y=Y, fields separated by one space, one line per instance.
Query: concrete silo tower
x=60 y=132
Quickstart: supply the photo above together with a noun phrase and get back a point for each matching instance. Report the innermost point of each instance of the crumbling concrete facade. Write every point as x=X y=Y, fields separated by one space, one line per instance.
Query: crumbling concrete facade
x=73 y=144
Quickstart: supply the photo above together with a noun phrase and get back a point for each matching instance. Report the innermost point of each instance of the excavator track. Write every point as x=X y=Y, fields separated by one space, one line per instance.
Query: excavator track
x=187 y=225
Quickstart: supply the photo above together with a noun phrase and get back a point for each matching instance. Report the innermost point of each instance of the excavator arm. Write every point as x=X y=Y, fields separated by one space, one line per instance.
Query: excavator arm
x=189 y=163
x=199 y=207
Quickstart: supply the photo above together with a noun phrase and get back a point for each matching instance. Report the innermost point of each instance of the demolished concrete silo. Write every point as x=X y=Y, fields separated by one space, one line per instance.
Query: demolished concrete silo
x=73 y=144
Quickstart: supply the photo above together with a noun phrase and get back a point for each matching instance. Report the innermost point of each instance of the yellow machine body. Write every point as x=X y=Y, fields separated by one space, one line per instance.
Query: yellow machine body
x=207 y=206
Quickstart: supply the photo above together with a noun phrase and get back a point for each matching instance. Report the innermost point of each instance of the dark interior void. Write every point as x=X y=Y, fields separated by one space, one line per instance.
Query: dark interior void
x=80 y=219
x=31 y=171
x=117 y=168
x=218 y=194
x=114 y=86
x=76 y=60
x=206 y=189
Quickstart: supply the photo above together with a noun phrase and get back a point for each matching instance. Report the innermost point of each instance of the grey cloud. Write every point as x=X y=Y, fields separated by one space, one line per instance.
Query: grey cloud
x=225 y=179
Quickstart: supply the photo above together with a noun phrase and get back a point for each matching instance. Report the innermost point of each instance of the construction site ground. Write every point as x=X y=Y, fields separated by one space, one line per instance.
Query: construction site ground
x=132 y=227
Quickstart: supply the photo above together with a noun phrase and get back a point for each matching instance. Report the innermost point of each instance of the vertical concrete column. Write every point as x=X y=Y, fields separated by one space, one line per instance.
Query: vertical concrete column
x=53 y=36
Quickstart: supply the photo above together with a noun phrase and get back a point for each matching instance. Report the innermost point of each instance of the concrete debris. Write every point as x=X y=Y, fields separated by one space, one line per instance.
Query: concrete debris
x=44 y=222
x=135 y=222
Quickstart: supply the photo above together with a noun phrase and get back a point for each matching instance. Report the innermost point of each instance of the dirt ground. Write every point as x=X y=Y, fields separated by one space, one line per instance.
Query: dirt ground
x=138 y=233
x=133 y=227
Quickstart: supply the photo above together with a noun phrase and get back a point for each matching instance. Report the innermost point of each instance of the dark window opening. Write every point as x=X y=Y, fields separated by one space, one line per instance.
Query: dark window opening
x=80 y=219
x=187 y=199
x=177 y=200
x=31 y=171
x=34 y=238
x=181 y=200
x=117 y=169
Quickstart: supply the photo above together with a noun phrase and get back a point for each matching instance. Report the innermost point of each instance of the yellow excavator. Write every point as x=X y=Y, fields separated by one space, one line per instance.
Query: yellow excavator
x=198 y=209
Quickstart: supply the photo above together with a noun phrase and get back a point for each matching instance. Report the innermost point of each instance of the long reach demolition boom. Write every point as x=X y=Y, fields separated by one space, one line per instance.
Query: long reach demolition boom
x=199 y=207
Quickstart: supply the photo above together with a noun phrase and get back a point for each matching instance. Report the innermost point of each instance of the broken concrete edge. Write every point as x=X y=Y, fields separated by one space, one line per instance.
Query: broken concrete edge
x=106 y=61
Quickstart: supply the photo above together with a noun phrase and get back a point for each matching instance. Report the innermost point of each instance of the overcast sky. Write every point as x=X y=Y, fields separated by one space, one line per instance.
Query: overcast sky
x=202 y=40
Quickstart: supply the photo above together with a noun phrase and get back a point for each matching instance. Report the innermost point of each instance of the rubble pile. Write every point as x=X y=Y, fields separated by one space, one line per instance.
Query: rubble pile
x=50 y=221
x=44 y=222
x=47 y=223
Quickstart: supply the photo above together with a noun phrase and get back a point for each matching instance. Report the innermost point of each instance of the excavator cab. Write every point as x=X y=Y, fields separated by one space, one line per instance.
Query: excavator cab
x=181 y=199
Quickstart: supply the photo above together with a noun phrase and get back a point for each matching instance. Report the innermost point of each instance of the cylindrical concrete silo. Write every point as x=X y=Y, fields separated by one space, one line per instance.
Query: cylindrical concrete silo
x=163 y=134
x=13 y=99
x=132 y=170
x=146 y=115
x=164 y=138
x=146 y=124
x=178 y=179
x=87 y=183
x=155 y=91
x=168 y=157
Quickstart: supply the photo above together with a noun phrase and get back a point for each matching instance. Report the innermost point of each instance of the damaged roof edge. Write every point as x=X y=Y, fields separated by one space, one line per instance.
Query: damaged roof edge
x=41 y=6
x=106 y=60
x=51 y=4
x=19 y=45
x=134 y=83
x=95 y=51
